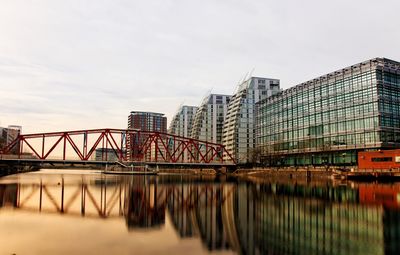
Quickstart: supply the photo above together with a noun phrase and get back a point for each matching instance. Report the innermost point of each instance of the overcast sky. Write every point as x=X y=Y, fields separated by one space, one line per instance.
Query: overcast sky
x=80 y=64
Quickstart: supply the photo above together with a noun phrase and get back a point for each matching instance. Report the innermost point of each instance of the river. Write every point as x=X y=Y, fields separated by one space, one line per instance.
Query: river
x=87 y=212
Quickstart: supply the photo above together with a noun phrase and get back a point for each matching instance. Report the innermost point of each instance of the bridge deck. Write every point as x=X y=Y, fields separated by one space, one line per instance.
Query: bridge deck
x=104 y=163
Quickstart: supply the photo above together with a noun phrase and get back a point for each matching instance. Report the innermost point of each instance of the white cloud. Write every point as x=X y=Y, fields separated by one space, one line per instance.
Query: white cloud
x=75 y=64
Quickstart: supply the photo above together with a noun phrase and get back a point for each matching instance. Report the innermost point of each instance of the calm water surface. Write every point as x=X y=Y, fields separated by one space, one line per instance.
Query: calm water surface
x=81 y=212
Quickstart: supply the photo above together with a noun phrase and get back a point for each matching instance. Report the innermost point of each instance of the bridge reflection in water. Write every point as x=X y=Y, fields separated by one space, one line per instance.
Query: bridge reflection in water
x=245 y=217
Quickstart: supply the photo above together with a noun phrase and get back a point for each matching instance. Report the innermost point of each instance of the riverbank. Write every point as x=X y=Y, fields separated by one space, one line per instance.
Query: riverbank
x=276 y=175
x=8 y=170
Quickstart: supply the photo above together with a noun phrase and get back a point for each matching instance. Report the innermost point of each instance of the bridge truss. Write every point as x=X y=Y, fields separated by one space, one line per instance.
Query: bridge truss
x=125 y=145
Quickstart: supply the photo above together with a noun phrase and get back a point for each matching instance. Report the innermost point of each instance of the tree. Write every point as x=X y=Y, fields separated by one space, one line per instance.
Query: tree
x=255 y=155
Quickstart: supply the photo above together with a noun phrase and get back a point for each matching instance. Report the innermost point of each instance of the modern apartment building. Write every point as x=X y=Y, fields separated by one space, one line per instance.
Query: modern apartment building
x=182 y=122
x=12 y=132
x=239 y=128
x=9 y=134
x=209 y=118
x=327 y=120
x=147 y=121
x=144 y=121
x=105 y=154
x=3 y=137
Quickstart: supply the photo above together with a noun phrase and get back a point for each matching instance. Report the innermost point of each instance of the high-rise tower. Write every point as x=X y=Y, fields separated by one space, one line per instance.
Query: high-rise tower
x=239 y=130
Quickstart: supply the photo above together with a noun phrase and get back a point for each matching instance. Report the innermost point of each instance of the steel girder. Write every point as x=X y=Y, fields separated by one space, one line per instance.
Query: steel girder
x=128 y=145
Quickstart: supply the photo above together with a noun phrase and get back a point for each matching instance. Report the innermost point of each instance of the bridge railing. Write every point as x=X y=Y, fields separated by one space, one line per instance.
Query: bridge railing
x=126 y=145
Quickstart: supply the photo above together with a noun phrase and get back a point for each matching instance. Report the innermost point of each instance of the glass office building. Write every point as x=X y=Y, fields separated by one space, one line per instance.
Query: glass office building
x=327 y=120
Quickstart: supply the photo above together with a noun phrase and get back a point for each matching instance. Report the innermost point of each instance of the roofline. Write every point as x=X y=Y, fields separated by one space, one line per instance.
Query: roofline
x=376 y=60
x=155 y=113
x=258 y=77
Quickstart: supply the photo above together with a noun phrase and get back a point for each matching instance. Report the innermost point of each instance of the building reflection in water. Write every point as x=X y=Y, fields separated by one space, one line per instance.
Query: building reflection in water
x=245 y=217
x=145 y=205
x=298 y=220
x=197 y=210
x=8 y=195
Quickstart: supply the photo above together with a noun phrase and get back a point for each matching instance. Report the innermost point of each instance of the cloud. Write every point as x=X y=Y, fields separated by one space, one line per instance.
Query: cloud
x=79 y=63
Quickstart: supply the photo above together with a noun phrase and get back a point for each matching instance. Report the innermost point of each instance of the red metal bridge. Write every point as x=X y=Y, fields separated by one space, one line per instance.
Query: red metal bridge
x=121 y=145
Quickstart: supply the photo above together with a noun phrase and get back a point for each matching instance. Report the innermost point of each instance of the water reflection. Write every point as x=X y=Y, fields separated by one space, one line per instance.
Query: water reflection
x=244 y=217
x=144 y=204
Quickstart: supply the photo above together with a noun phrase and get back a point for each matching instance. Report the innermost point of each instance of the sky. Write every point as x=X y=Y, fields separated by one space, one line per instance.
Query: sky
x=80 y=64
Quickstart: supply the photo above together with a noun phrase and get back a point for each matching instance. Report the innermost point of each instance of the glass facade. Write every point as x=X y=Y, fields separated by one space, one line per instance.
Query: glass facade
x=328 y=119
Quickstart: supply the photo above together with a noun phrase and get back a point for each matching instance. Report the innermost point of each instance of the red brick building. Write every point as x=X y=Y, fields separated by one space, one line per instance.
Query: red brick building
x=144 y=121
x=147 y=121
x=381 y=159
